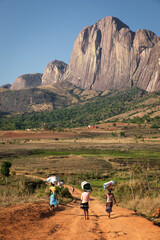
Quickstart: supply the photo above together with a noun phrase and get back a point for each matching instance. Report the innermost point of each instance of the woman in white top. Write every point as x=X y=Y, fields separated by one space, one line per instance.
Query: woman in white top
x=85 y=197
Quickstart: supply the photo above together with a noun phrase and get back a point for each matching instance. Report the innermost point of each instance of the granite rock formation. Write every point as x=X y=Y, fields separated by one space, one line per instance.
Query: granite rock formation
x=53 y=72
x=6 y=86
x=108 y=55
x=27 y=81
x=147 y=75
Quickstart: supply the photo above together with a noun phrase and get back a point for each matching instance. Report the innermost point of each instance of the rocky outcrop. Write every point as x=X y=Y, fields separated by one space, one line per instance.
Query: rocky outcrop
x=27 y=81
x=31 y=99
x=6 y=86
x=108 y=55
x=53 y=72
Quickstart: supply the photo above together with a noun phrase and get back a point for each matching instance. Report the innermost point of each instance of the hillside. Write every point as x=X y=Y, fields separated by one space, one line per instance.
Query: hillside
x=76 y=107
x=43 y=98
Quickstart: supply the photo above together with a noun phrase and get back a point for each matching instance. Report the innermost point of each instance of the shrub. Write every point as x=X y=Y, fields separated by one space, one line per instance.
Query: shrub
x=114 y=134
x=155 y=126
x=31 y=186
x=63 y=192
x=122 y=134
x=5 y=168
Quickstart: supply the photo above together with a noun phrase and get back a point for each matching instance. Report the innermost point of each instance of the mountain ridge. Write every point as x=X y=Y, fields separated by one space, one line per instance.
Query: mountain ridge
x=107 y=55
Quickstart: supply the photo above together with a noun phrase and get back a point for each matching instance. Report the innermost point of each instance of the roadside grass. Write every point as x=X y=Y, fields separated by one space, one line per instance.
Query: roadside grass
x=147 y=206
x=140 y=192
x=21 y=189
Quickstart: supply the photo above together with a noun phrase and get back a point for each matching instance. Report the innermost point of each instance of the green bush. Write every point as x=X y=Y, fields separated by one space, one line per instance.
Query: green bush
x=155 y=125
x=31 y=186
x=63 y=192
x=5 y=168
x=122 y=134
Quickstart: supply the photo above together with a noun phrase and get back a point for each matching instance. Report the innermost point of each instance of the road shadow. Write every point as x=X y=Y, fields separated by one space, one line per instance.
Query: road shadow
x=60 y=208
x=92 y=199
x=120 y=216
x=77 y=199
x=49 y=213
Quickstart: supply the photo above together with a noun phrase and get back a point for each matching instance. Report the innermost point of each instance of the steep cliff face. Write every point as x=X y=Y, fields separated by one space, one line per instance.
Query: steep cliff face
x=53 y=72
x=27 y=81
x=147 y=75
x=108 y=55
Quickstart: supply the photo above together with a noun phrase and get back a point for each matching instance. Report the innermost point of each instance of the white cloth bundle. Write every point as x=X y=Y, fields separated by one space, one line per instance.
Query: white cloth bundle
x=52 y=179
x=108 y=185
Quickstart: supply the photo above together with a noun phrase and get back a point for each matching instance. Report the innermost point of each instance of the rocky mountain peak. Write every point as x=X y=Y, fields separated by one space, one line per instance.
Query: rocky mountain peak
x=53 y=72
x=108 y=54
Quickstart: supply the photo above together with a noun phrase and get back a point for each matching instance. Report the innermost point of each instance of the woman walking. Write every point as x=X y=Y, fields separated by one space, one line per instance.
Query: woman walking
x=53 y=198
x=109 y=202
x=85 y=197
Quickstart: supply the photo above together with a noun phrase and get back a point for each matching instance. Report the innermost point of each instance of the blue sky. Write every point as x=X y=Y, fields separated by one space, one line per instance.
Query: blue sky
x=35 y=32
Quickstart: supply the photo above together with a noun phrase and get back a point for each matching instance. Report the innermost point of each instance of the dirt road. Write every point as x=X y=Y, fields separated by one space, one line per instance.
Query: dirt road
x=34 y=221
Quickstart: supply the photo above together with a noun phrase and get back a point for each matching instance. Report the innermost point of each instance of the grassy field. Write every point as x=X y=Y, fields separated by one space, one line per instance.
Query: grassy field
x=131 y=159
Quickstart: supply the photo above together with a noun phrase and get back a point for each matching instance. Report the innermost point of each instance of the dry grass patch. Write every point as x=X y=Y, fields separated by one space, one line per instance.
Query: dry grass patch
x=144 y=206
x=39 y=165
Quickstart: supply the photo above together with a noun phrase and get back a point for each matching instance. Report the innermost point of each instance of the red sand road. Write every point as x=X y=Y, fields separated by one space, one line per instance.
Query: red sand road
x=34 y=221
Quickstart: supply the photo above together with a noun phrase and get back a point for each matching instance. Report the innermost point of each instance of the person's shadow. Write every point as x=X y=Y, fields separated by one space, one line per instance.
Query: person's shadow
x=49 y=213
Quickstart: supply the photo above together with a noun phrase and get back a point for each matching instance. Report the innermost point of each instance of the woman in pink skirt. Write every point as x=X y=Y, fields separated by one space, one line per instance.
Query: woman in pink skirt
x=109 y=202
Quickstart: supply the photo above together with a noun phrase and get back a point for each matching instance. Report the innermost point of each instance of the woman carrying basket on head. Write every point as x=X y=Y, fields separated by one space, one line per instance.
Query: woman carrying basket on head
x=85 y=197
x=53 y=198
x=109 y=202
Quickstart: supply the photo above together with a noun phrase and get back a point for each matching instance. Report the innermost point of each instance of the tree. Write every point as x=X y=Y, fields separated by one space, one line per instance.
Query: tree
x=5 y=169
x=122 y=134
